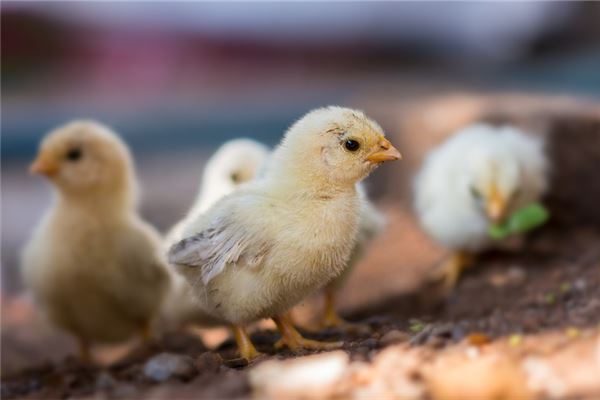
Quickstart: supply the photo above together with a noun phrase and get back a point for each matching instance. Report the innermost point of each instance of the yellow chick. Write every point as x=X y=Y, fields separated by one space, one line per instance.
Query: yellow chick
x=263 y=248
x=370 y=223
x=93 y=265
x=234 y=163
x=478 y=176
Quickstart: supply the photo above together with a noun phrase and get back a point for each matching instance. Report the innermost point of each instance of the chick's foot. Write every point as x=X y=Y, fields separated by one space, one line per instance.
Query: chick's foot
x=245 y=346
x=146 y=334
x=85 y=352
x=450 y=270
x=293 y=340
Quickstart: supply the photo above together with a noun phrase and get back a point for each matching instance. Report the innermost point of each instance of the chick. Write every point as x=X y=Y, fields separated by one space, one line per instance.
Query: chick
x=263 y=248
x=234 y=163
x=370 y=223
x=93 y=266
x=477 y=177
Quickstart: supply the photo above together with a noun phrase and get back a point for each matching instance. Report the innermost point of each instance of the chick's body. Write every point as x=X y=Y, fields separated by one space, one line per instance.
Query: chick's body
x=295 y=236
x=93 y=265
x=263 y=248
x=99 y=279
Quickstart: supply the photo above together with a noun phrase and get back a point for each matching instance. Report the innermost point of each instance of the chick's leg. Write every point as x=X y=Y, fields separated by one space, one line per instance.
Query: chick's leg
x=291 y=338
x=146 y=333
x=330 y=317
x=85 y=353
x=451 y=268
x=245 y=346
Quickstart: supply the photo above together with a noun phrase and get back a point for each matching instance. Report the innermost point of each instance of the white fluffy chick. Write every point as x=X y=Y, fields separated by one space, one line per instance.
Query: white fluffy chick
x=263 y=248
x=478 y=176
x=236 y=162
x=94 y=267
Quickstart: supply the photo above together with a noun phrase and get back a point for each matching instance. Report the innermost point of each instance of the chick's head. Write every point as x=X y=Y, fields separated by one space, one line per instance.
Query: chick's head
x=335 y=144
x=236 y=162
x=493 y=185
x=505 y=173
x=84 y=157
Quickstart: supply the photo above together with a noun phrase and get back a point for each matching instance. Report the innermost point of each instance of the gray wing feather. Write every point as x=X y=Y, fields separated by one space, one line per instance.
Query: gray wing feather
x=214 y=248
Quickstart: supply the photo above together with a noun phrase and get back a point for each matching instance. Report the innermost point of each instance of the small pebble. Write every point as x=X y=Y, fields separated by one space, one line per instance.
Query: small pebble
x=124 y=391
x=442 y=330
x=359 y=330
x=209 y=361
x=105 y=382
x=363 y=352
x=393 y=336
x=458 y=333
x=165 y=366
x=437 y=342
x=370 y=343
x=580 y=284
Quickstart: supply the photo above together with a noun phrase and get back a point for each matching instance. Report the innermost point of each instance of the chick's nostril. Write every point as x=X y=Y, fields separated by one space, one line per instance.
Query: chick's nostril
x=384 y=146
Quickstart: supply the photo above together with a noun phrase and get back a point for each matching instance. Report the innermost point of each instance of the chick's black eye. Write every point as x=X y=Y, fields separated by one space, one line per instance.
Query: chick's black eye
x=475 y=193
x=235 y=177
x=351 y=145
x=74 y=154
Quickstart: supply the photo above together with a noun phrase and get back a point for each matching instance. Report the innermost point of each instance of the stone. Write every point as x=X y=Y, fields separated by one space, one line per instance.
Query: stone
x=392 y=337
x=166 y=366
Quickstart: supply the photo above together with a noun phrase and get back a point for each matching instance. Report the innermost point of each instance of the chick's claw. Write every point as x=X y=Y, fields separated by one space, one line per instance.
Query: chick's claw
x=293 y=340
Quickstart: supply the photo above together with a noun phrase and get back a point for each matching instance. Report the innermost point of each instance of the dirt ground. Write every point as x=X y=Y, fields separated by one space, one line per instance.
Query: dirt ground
x=526 y=322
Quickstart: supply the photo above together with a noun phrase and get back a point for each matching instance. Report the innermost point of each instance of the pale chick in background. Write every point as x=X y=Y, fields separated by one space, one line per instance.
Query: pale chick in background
x=478 y=176
x=234 y=163
x=262 y=249
x=93 y=265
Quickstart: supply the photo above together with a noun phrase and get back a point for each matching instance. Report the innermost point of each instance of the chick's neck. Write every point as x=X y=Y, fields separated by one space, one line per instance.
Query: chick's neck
x=106 y=202
x=298 y=179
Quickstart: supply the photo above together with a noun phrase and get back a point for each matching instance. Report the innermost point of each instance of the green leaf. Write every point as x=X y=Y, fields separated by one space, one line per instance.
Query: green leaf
x=528 y=218
x=523 y=220
x=498 y=232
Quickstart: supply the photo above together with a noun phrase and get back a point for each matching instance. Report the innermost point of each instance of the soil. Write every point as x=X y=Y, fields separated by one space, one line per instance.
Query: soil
x=539 y=302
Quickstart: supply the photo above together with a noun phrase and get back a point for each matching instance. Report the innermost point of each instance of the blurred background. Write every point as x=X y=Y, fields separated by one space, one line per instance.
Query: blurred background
x=178 y=79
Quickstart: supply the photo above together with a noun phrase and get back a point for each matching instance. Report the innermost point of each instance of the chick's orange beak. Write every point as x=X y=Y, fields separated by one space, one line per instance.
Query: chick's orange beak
x=44 y=166
x=496 y=205
x=386 y=152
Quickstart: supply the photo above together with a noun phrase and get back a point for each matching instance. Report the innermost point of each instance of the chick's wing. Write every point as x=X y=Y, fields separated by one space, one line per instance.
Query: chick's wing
x=225 y=241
